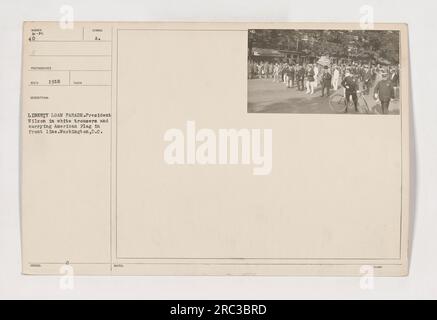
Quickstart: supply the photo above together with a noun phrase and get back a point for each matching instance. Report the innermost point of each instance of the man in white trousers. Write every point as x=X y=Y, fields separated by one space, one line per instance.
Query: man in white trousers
x=316 y=76
x=335 y=78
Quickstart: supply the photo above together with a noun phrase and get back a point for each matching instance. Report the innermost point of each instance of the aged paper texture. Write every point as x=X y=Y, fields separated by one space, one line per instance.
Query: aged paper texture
x=191 y=149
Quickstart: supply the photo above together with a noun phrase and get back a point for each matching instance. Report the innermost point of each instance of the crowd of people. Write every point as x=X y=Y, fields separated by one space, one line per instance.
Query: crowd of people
x=353 y=77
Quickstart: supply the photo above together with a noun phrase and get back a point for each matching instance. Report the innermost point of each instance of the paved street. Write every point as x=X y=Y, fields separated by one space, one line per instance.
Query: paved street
x=267 y=96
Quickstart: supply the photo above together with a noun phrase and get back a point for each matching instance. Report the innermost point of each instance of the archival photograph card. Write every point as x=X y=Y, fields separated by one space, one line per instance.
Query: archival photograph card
x=215 y=149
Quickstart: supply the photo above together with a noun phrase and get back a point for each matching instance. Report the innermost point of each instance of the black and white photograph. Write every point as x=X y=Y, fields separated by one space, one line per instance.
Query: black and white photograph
x=324 y=71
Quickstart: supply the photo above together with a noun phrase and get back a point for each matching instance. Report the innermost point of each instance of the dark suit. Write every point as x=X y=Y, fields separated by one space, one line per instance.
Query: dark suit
x=385 y=91
x=300 y=79
x=351 y=86
x=326 y=83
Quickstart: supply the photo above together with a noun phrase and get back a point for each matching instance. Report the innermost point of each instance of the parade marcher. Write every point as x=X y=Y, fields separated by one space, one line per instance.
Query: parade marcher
x=270 y=73
x=384 y=91
x=351 y=87
x=378 y=75
x=361 y=72
x=310 y=79
x=374 y=73
x=316 y=75
x=286 y=67
x=300 y=78
x=283 y=72
x=265 y=70
x=394 y=77
x=290 y=76
x=307 y=83
x=367 y=80
x=335 y=78
x=326 y=81
x=275 y=72
x=259 y=70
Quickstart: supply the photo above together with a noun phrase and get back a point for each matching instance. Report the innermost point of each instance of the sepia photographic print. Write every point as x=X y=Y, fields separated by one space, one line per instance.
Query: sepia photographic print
x=324 y=71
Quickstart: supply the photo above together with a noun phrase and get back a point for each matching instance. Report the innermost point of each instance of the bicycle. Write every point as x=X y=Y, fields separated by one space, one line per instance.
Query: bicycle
x=339 y=104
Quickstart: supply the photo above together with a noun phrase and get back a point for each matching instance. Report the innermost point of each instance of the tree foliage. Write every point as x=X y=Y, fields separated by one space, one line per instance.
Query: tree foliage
x=375 y=45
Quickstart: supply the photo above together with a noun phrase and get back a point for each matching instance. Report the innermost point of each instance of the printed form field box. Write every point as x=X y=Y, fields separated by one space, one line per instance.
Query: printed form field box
x=69 y=49
x=90 y=78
